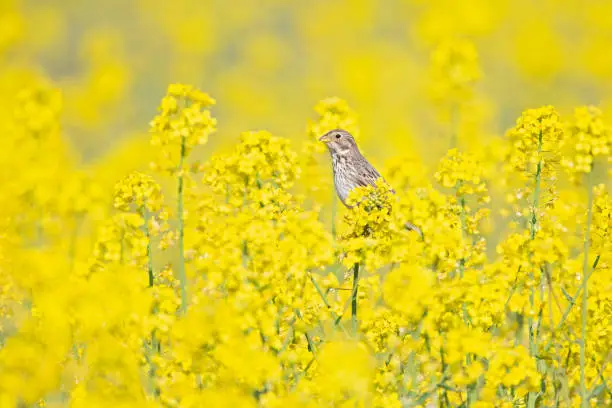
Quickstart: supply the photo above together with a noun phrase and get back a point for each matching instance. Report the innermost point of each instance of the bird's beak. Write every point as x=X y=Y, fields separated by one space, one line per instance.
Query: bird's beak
x=325 y=138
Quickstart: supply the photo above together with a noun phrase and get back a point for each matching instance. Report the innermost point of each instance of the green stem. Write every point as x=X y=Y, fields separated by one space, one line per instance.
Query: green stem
x=557 y=355
x=326 y=302
x=311 y=345
x=536 y=192
x=152 y=350
x=444 y=395
x=573 y=299
x=181 y=229
x=534 y=224
x=536 y=199
x=585 y=297
x=464 y=234
x=145 y=216
x=354 y=296
x=533 y=229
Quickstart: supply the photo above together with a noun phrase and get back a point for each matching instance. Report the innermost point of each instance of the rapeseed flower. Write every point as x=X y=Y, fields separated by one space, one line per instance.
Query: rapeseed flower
x=589 y=137
x=243 y=295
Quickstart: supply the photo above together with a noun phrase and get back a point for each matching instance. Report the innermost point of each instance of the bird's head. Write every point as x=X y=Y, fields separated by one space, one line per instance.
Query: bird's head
x=339 y=141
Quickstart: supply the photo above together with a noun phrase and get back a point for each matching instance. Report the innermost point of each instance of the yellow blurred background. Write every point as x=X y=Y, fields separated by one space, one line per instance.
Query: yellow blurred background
x=411 y=79
x=411 y=69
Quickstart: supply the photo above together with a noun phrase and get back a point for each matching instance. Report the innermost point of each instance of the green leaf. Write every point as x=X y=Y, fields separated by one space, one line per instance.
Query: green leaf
x=567 y=295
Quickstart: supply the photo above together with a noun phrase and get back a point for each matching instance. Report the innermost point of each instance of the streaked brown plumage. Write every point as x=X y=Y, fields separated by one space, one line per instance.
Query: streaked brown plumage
x=351 y=169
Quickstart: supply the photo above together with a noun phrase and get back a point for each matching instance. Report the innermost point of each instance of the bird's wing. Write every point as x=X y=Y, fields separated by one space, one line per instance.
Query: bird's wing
x=368 y=176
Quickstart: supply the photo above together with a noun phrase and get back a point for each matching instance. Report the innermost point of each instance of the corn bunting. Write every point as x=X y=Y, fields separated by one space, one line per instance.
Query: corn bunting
x=351 y=169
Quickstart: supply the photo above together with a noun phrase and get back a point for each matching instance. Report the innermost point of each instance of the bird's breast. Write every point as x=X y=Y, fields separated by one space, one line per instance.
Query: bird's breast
x=343 y=179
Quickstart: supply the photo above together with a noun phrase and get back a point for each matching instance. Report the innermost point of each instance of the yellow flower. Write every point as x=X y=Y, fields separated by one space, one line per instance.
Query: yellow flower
x=536 y=138
x=140 y=191
x=588 y=138
x=184 y=122
x=408 y=289
x=440 y=318
x=346 y=371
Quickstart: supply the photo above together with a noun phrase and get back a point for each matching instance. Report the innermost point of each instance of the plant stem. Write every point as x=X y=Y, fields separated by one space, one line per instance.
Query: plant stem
x=557 y=355
x=464 y=236
x=585 y=298
x=533 y=229
x=534 y=223
x=536 y=192
x=444 y=396
x=326 y=302
x=573 y=299
x=354 y=296
x=181 y=230
x=151 y=351
x=463 y=218
x=145 y=216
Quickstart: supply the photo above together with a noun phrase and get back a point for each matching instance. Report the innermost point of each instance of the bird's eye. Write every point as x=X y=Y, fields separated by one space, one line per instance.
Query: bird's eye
x=338 y=135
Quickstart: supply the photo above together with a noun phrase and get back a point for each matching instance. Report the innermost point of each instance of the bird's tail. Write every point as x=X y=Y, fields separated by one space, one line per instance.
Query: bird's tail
x=411 y=227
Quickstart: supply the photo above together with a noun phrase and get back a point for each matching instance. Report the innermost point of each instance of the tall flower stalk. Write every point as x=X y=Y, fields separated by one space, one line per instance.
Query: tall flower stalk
x=533 y=222
x=184 y=122
x=585 y=294
x=141 y=195
x=181 y=227
x=462 y=173
x=534 y=151
x=590 y=138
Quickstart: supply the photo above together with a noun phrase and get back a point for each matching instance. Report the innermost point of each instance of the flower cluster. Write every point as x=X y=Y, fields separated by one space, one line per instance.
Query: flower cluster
x=532 y=161
x=184 y=121
x=588 y=137
x=463 y=173
x=246 y=296
x=373 y=228
x=535 y=141
x=260 y=159
x=139 y=191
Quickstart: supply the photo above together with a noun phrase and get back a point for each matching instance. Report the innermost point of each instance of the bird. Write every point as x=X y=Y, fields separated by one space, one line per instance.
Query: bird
x=350 y=168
